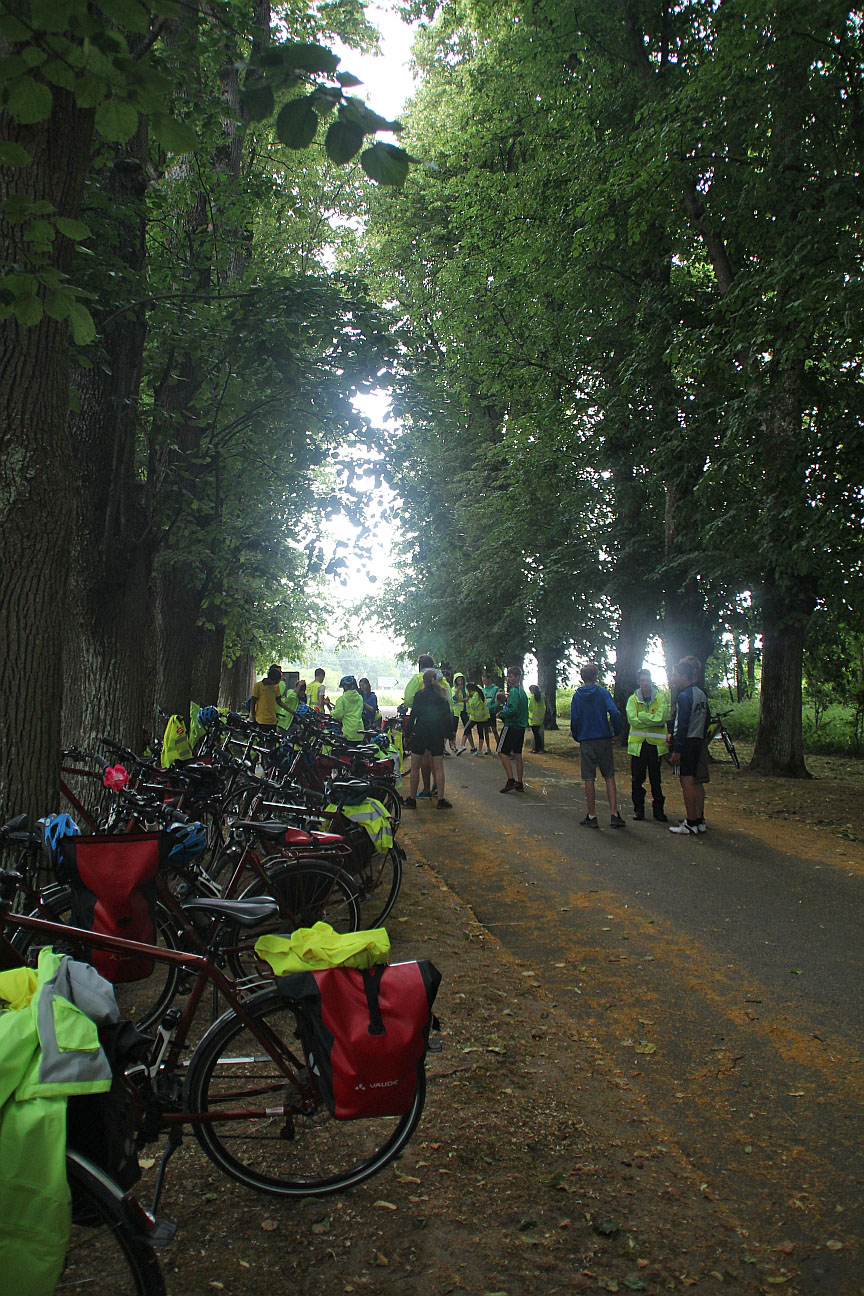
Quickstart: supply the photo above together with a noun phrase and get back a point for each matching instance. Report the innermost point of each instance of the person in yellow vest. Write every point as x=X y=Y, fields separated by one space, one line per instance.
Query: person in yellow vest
x=648 y=716
x=288 y=703
x=458 y=711
x=536 y=717
x=478 y=718
x=348 y=710
x=424 y=663
x=266 y=698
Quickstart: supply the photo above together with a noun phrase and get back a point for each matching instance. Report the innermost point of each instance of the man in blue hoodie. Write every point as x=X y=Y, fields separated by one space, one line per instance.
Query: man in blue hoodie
x=592 y=711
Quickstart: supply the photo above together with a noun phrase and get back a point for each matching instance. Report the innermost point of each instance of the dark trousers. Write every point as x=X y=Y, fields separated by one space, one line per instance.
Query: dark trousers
x=647 y=760
x=539 y=743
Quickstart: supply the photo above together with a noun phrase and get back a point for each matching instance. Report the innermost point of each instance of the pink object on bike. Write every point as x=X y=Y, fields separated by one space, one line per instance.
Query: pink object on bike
x=115 y=777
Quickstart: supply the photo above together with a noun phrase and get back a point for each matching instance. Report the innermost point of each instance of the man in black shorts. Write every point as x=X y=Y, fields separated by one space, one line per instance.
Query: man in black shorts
x=514 y=719
x=427 y=731
x=688 y=746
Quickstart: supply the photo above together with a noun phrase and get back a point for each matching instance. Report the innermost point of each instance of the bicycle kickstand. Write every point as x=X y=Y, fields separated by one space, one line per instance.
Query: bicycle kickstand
x=175 y=1138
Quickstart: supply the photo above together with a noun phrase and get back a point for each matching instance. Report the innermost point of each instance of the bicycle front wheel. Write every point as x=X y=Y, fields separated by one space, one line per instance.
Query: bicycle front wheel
x=264 y=1123
x=106 y=1252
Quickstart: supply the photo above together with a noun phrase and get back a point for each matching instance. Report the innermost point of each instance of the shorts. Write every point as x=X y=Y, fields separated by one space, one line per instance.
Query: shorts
x=421 y=744
x=596 y=753
x=694 y=760
x=510 y=742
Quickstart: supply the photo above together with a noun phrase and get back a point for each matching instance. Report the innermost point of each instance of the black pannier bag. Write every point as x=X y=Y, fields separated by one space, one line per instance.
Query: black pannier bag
x=366 y=1033
x=113 y=882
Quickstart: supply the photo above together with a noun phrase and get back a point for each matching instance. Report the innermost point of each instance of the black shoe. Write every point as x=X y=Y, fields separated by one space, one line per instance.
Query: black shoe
x=615 y=821
x=590 y=821
x=409 y=803
x=638 y=814
x=660 y=817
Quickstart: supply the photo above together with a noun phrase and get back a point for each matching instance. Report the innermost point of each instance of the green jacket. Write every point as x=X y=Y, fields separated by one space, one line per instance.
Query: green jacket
x=647 y=720
x=515 y=710
x=49 y=1050
x=349 y=710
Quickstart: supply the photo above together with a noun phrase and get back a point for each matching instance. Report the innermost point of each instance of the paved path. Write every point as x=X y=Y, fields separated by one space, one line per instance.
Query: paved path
x=724 y=979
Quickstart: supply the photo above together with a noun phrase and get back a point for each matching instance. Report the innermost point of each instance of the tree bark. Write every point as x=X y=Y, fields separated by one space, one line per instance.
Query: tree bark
x=779 y=745
x=633 y=630
x=38 y=477
x=547 y=679
x=237 y=681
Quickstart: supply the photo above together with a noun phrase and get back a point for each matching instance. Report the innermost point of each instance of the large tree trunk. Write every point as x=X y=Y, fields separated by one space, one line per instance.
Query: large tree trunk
x=38 y=478
x=110 y=658
x=779 y=745
x=547 y=679
x=633 y=630
x=237 y=682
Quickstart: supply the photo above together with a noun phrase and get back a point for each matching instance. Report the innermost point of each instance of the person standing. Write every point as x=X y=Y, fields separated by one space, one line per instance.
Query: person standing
x=458 y=701
x=514 y=721
x=647 y=716
x=320 y=700
x=592 y=712
x=414 y=685
x=348 y=710
x=371 y=714
x=266 y=697
x=478 y=718
x=688 y=754
x=536 y=717
x=490 y=690
x=427 y=731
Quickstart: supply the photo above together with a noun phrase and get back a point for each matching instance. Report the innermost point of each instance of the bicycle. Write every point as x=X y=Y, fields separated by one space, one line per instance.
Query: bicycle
x=717 y=729
x=249 y=1091
x=111 y=1242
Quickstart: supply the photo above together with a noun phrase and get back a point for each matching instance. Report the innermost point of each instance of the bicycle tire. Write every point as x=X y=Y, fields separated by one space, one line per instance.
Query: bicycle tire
x=105 y=1251
x=392 y=802
x=292 y=1147
x=730 y=747
x=309 y=891
x=143 y=1007
x=385 y=872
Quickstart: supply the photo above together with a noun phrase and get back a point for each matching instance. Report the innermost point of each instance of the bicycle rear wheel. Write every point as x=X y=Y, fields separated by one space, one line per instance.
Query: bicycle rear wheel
x=730 y=747
x=106 y=1253
x=266 y=1125
x=380 y=882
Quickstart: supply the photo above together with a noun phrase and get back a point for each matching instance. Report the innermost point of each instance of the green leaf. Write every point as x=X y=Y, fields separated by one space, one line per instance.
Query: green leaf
x=385 y=164
x=297 y=123
x=57 y=303
x=41 y=231
x=73 y=229
x=116 y=120
x=29 y=101
x=347 y=79
x=343 y=141
x=59 y=73
x=32 y=57
x=12 y=29
x=174 y=136
x=309 y=58
x=257 y=99
x=54 y=15
x=355 y=110
x=128 y=13
x=28 y=310
x=81 y=324
x=89 y=90
x=13 y=155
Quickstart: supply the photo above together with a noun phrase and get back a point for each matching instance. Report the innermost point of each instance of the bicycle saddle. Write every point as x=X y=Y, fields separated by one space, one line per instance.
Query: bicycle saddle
x=248 y=913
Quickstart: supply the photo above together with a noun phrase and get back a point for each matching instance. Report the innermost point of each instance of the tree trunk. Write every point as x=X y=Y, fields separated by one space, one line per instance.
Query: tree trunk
x=207 y=668
x=38 y=478
x=779 y=745
x=237 y=681
x=633 y=630
x=547 y=679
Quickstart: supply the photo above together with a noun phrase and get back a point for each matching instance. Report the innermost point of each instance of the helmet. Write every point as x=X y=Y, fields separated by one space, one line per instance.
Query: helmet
x=54 y=829
x=303 y=710
x=207 y=717
x=348 y=681
x=190 y=842
x=381 y=740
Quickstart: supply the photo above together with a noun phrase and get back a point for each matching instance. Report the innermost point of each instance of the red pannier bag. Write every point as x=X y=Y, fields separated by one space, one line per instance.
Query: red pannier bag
x=114 y=893
x=366 y=1033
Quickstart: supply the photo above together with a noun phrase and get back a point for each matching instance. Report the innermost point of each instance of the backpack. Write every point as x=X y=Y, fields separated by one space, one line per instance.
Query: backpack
x=101 y=1126
x=366 y=1032
x=114 y=892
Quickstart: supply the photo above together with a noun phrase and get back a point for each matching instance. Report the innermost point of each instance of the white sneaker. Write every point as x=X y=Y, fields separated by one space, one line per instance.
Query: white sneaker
x=460 y=750
x=683 y=829
x=701 y=826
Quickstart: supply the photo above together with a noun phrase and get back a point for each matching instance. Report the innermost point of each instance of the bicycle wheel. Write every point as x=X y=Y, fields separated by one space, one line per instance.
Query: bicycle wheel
x=730 y=747
x=106 y=1252
x=144 y=1002
x=391 y=800
x=379 y=883
x=270 y=1133
x=308 y=891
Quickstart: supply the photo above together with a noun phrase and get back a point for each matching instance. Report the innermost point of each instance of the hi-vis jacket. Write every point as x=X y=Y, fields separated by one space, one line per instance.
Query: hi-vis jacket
x=49 y=1050
x=647 y=720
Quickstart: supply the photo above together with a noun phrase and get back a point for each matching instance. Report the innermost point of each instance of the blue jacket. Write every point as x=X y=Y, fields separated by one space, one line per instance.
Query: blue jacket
x=591 y=710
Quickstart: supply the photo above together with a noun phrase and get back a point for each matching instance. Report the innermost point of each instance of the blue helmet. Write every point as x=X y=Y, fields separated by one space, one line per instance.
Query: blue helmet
x=348 y=681
x=207 y=717
x=190 y=842
x=303 y=710
x=54 y=829
x=381 y=740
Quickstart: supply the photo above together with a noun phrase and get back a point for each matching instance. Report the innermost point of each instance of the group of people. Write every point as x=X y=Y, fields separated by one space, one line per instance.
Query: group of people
x=274 y=702
x=595 y=722
x=437 y=701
